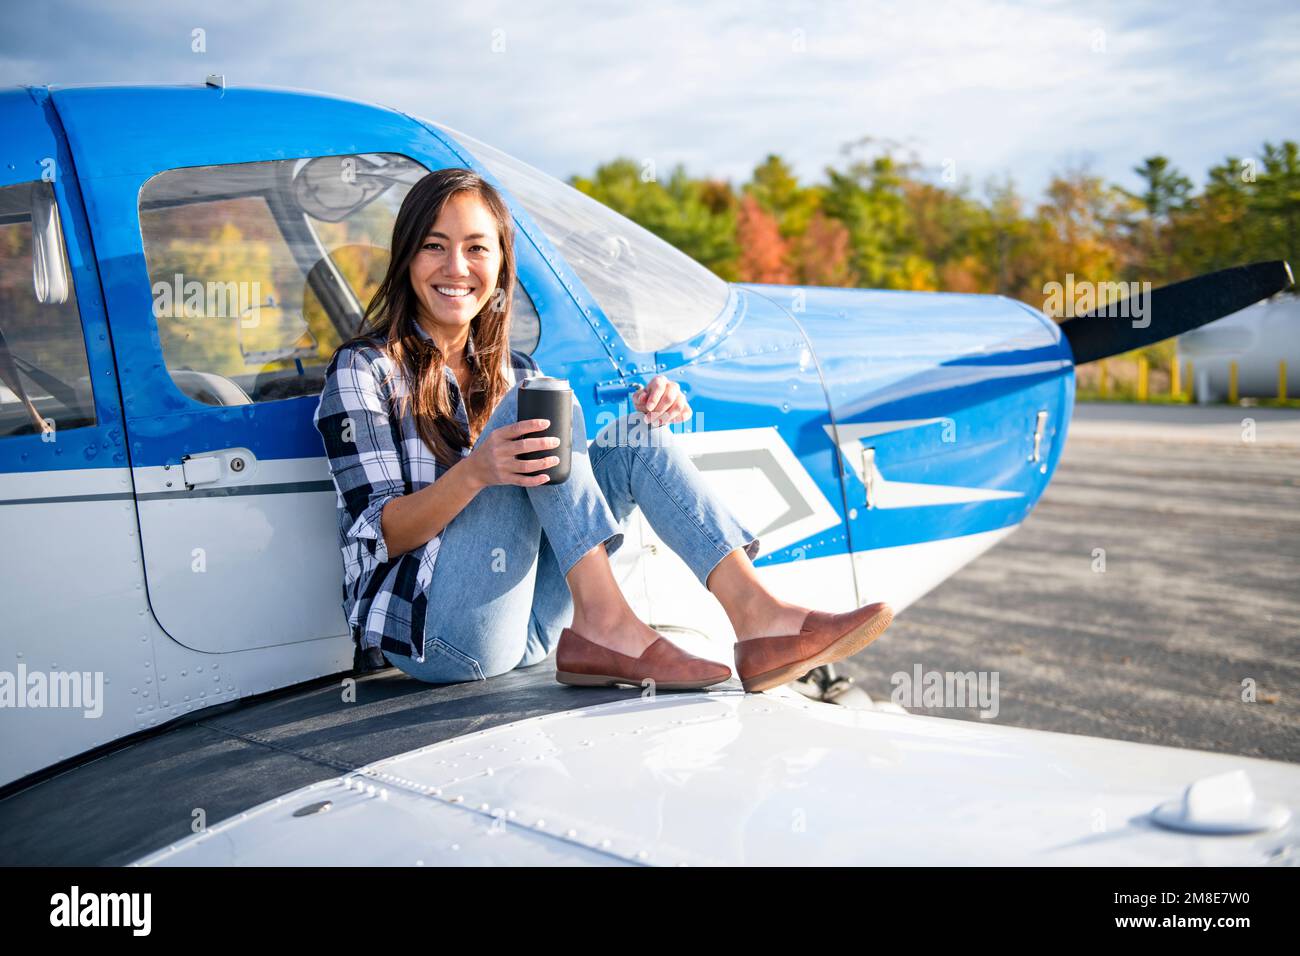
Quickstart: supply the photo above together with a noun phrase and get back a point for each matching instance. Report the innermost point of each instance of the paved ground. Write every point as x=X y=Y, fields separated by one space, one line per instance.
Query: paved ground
x=1187 y=424
x=1200 y=592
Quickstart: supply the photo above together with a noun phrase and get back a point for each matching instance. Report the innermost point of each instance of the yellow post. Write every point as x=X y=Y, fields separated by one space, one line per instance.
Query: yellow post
x=1191 y=382
x=1281 y=380
x=1175 y=386
x=1142 y=378
x=1104 y=385
x=1232 y=382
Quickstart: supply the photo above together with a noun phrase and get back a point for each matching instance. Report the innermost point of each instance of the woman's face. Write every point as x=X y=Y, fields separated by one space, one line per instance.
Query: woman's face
x=455 y=272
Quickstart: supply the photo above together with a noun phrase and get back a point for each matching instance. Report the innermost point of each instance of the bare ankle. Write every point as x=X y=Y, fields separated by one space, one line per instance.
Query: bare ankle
x=619 y=630
x=597 y=618
x=779 y=617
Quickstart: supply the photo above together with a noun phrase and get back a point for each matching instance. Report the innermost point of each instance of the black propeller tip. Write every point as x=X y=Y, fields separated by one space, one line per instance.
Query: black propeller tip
x=1174 y=309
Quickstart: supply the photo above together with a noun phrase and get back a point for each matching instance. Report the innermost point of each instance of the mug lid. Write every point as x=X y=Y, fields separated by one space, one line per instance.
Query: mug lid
x=545 y=382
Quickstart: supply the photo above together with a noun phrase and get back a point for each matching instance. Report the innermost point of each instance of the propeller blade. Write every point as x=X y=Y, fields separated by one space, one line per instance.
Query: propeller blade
x=1173 y=309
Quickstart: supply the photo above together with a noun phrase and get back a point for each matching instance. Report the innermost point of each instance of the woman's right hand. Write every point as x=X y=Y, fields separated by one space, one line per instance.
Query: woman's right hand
x=493 y=461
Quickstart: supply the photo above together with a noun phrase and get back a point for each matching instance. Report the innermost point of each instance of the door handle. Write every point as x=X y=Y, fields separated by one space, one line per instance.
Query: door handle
x=200 y=471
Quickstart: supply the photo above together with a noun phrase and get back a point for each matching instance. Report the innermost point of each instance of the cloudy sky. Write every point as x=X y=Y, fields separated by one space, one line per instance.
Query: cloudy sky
x=991 y=88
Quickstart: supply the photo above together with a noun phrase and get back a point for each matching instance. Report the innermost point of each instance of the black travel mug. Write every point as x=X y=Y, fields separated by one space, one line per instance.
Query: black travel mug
x=552 y=399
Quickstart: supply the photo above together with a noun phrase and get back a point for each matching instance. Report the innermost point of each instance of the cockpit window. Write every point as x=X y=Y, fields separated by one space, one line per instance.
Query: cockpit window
x=654 y=294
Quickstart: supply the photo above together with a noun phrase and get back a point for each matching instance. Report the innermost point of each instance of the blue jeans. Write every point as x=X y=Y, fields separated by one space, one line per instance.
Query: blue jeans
x=498 y=598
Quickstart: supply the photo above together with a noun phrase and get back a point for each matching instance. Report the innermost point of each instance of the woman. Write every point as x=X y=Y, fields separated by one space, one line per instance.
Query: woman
x=460 y=562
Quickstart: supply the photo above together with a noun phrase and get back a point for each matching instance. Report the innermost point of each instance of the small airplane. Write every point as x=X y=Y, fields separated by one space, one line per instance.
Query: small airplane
x=1259 y=340
x=179 y=264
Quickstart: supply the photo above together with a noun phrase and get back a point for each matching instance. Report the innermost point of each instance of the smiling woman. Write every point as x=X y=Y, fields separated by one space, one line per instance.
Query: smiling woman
x=458 y=276
x=454 y=279
x=419 y=417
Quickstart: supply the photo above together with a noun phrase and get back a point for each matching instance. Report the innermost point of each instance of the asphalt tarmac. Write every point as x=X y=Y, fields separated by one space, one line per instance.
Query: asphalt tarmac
x=1189 y=637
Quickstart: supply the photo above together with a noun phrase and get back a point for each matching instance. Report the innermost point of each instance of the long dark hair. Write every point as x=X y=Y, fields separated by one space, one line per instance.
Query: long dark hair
x=391 y=318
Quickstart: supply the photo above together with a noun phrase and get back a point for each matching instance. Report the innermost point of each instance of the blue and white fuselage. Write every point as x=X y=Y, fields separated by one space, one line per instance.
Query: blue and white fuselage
x=182 y=541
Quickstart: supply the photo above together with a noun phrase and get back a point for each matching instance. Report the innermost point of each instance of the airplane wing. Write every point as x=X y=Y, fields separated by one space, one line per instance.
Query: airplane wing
x=726 y=778
x=520 y=769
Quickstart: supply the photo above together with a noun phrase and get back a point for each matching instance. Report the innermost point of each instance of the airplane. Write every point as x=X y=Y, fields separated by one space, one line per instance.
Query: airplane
x=1260 y=339
x=179 y=264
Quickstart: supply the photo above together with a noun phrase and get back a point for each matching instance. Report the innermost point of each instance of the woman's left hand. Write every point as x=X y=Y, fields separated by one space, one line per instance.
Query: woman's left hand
x=662 y=402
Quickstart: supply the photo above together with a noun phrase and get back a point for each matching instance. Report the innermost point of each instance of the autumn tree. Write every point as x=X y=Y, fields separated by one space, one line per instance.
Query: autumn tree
x=763 y=253
x=821 y=254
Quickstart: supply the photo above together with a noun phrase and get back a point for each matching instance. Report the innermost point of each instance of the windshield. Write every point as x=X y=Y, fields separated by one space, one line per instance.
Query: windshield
x=654 y=294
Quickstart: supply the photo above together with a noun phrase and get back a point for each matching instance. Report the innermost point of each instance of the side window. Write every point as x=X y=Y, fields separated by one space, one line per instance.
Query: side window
x=44 y=375
x=259 y=270
x=654 y=294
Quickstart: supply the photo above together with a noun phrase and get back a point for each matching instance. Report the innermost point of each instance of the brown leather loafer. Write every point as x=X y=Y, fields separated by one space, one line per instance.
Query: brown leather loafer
x=584 y=663
x=765 y=662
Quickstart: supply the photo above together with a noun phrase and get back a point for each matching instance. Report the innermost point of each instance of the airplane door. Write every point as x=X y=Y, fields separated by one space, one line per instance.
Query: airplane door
x=237 y=232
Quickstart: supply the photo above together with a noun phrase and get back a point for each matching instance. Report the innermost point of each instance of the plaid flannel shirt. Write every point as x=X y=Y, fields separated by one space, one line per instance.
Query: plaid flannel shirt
x=375 y=456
